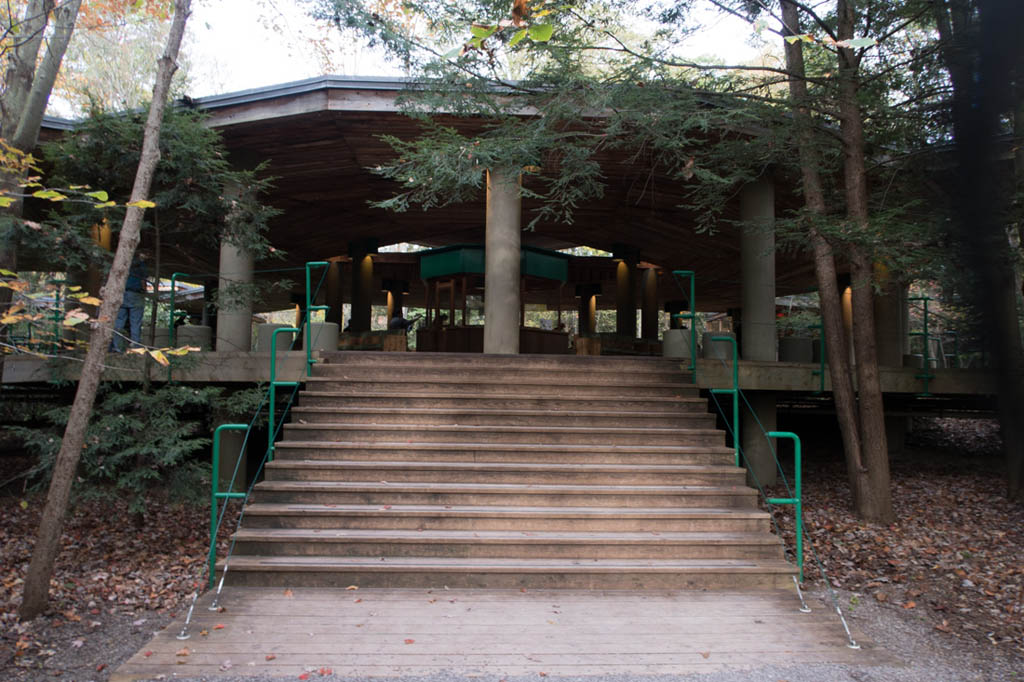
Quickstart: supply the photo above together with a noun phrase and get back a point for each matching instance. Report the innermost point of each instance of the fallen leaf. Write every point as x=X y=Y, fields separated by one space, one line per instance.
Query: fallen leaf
x=357 y=601
x=218 y=626
x=304 y=676
x=705 y=654
x=148 y=654
x=289 y=593
x=352 y=587
x=409 y=641
x=204 y=632
x=182 y=652
x=77 y=644
x=269 y=657
x=909 y=605
x=324 y=672
x=101 y=667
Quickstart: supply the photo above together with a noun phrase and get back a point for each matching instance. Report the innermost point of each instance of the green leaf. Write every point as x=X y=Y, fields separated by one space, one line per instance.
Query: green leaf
x=8 y=273
x=6 y=202
x=98 y=195
x=859 y=42
x=141 y=203
x=519 y=35
x=453 y=53
x=51 y=194
x=482 y=31
x=105 y=204
x=541 y=33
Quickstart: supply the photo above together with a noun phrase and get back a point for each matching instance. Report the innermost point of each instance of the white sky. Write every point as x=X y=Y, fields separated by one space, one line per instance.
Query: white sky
x=232 y=48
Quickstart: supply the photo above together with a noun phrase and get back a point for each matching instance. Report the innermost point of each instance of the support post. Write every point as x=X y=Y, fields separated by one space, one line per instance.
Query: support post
x=759 y=337
x=335 y=297
x=502 y=262
x=625 y=294
x=234 y=311
x=649 y=314
x=362 y=284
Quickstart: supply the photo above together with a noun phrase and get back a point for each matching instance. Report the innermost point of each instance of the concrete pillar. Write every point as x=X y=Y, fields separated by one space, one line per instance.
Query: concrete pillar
x=362 y=285
x=889 y=331
x=335 y=298
x=501 y=263
x=625 y=297
x=759 y=338
x=649 y=314
x=231 y=451
x=234 y=313
x=889 y=306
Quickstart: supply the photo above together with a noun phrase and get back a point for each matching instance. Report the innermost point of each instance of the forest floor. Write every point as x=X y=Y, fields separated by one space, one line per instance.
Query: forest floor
x=949 y=571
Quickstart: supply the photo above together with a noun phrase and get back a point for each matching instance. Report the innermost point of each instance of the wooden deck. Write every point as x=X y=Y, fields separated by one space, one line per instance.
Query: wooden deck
x=389 y=632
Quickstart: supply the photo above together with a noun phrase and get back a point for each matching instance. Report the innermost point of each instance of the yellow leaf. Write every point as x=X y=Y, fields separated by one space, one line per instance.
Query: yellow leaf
x=141 y=203
x=137 y=351
x=90 y=300
x=8 y=273
x=159 y=357
x=6 y=202
x=105 y=204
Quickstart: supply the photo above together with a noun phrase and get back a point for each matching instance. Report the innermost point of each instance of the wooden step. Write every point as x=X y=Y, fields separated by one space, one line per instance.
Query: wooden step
x=438 y=573
x=506 y=544
x=473 y=416
x=340 y=492
x=467 y=399
x=544 y=388
x=494 y=517
x=505 y=452
x=397 y=374
x=504 y=472
x=420 y=359
x=551 y=435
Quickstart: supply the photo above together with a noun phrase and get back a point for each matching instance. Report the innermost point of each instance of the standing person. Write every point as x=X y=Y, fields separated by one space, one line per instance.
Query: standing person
x=132 y=305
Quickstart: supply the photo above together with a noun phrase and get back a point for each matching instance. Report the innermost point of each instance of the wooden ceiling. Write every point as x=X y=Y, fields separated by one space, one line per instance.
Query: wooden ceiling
x=321 y=136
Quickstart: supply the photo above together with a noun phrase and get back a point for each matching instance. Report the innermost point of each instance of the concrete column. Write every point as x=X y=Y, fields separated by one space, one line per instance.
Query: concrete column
x=889 y=331
x=234 y=313
x=649 y=314
x=501 y=263
x=759 y=338
x=335 y=299
x=889 y=306
x=362 y=287
x=625 y=297
x=231 y=451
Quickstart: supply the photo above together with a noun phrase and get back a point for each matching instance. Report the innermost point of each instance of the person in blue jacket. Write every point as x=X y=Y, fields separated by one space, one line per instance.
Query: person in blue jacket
x=132 y=305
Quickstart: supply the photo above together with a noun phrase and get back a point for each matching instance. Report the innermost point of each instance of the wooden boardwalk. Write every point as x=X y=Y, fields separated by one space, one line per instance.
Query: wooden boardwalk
x=391 y=632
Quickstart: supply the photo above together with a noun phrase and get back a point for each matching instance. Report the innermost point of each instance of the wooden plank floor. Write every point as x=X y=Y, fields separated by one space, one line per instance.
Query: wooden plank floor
x=390 y=632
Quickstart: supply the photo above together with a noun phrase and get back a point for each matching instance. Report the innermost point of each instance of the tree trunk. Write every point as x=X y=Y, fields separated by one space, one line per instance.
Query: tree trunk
x=23 y=101
x=37 y=580
x=978 y=51
x=873 y=498
x=836 y=343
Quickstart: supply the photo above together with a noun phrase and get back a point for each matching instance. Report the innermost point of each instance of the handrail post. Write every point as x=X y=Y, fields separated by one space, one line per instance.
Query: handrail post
x=821 y=360
x=926 y=375
x=170 y=315
x=797 y=499
x=215 y=494
x=691 y=315
x=735 y=391
x=309 y=309
x=274 y=383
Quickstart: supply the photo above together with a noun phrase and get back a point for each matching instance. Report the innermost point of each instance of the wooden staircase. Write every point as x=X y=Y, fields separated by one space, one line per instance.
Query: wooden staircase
x=431 y=470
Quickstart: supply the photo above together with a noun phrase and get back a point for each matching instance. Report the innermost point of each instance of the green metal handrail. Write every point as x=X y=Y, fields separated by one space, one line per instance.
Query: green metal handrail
x=796 y=500
x=215 y=494
x=274 y=384
x=307 y=340
x=927 y=375
x=735 y=391
x=691 y=315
